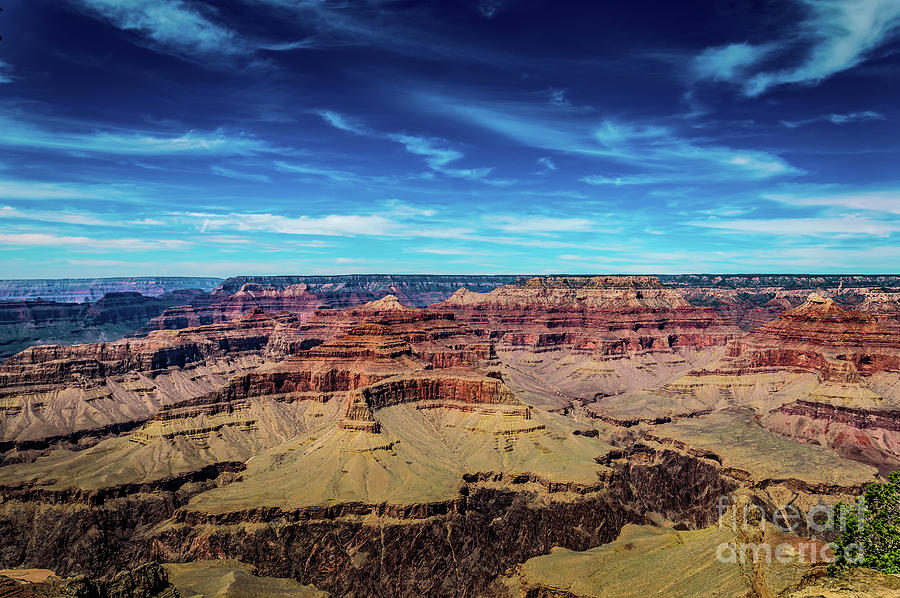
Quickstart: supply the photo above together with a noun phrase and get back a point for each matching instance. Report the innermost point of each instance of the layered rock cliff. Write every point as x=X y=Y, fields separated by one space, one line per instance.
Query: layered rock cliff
x=38 y=322
x=81 y=290
x=609 y=315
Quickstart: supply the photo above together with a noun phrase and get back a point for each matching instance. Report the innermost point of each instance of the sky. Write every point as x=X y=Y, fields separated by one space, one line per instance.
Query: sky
x=175 y=137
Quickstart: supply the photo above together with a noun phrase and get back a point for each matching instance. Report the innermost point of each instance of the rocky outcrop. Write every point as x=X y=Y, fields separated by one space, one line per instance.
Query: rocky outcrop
x=347 y=290
x=608 y=315
x=38 y=322
x=884 y=304
x=868 y=435
x=749 y=301
x=817 y=336
x=145 y=581
x=302 y=295
x=816 y=373
x=76 y=395
x=210 y=309
x=81 y=364
x=386 y=449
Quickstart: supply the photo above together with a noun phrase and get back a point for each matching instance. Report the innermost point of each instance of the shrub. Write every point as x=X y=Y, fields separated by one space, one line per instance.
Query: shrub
x=872 y=539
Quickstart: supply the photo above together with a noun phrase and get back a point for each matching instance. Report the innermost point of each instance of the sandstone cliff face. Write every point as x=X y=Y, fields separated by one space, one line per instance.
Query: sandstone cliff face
x=870 y=435
x=818 y=373
x=470 y=539
x=749 y=301
x=55 y=364
x=209 y=309
x=816 y=335
x=355 y=289
x=55 y=393
x=302 y=295
x=609 y=315
x=884 y=304
x=39 y=322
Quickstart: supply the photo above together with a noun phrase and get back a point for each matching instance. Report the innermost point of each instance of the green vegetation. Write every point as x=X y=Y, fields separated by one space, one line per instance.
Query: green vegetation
x=870 y=533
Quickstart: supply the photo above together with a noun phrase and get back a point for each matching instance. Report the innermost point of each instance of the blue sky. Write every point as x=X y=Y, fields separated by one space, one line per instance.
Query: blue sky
x=167 y=137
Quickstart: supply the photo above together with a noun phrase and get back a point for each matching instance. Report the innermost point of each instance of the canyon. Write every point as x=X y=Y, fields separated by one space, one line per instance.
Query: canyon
x=445 y=436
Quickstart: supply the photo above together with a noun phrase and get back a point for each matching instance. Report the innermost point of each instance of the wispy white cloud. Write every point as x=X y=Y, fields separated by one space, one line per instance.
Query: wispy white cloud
x=23 y=189
x=329 y=225
x=850 y=225
x=5 y=72
x=489 y=8
x=338 y=176
x=386 y=24
x=39 y=190
x=243 y=176
x=887 y=201
x=658 y=152
x=439 y=157
x=437 y=152
x=173 y=26
x=87 y=243
x=59 y=216
x=539 y=224
x=731 y=62
x=17 y=133
x=836 y=35
x=546 y=164
x=837 y=119
x=343 y=122
x=442 y=250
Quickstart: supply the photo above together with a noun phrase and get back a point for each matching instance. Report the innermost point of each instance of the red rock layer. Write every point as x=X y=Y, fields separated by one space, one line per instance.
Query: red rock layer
x=884 y=304
x=610 y=315
x=81 y=364
x=208 y=309
x=381 y=353
x=817 y=336
x=868 y=435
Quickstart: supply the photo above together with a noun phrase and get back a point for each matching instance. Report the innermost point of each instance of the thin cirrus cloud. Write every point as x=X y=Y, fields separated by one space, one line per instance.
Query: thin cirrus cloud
x=173 y=26
x=343 y=122
x=59 y=216
x=657 y=151
x=392 y=221
x=547 y=165
x=16 y=133
x=328 y=225
x=438 y=154
x=837 y=119
x=17 y=189
x=886 y=201
x=5 y=72
x=836 y=35
x=88 y=243
x=241 y=176
x=540 y=224
x=815 y=227
x=342 y=177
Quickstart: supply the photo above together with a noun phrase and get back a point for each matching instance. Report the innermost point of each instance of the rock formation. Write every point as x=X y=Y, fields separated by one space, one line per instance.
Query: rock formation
x=507 y=443
x=610 y=315
x=88 y=290
x=38 y=322
x=819 y=373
